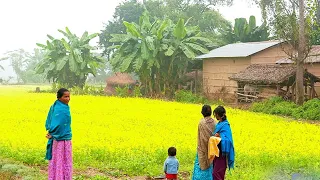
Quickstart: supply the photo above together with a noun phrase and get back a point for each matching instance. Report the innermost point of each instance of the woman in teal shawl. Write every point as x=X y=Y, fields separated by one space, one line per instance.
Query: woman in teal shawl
x=226 y=154
x=59 y=147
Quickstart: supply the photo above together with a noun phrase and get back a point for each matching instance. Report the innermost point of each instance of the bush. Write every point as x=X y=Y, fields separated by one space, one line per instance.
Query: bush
x=189 y=97
x=122 y=91
x=86 y=90
x=309 y=110
x=276 y=105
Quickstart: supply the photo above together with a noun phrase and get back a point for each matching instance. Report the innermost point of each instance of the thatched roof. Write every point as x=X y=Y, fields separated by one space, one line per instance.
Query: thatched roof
x=267 y=74
x=120 y=79
x=314 y=57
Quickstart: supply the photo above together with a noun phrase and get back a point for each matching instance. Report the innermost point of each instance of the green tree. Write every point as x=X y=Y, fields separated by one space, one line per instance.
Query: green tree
x=19 y=60
x=159 y=52
x=293 y=22
x=198 y=13
x=35 y=58
x=248 y=32
x=69 y=61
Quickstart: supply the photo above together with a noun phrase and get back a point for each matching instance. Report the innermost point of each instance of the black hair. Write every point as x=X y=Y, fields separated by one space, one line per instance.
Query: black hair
x=61 y=91
x=221 y=112
x=206 y=110
x=172 y=151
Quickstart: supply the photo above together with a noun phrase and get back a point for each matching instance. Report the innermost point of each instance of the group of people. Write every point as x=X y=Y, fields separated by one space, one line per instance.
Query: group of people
x=59 y=146
x=206 y=167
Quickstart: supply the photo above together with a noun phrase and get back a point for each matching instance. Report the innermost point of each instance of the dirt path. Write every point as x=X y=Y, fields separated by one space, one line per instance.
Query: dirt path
x=13 y=170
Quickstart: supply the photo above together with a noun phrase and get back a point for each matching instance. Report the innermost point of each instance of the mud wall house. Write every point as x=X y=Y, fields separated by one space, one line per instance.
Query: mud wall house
x=312 y=64
x=221 y=63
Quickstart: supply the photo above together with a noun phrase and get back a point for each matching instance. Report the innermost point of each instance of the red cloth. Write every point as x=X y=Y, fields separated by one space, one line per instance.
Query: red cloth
x=171 y=176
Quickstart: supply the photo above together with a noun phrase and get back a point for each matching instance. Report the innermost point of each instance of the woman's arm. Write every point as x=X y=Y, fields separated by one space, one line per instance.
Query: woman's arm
x=202 y=148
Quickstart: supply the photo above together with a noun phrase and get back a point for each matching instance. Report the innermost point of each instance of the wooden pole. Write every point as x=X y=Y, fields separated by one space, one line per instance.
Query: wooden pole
x=195 y=82
x=293 y=93
x=278 y=89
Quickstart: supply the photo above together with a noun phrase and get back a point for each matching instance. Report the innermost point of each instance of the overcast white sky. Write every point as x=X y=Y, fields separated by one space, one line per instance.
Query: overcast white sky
x=23 y=23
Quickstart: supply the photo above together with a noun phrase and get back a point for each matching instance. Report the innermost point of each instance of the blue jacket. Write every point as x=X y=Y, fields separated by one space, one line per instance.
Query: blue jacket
x=171 y=165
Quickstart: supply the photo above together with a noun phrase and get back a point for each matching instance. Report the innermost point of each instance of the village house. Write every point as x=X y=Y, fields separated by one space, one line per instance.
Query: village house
x=220 y=64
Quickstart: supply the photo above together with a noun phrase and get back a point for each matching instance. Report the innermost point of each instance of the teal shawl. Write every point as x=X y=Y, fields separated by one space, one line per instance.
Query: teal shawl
x=58 y=125
x=227 y=148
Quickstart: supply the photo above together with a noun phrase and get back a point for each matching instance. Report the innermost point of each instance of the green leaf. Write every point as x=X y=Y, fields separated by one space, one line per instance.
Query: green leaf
x=132 y=29
x=91 y=36
x=151 y=62
x=52 y=66
x=195 y=38
x=84 y=36
x=66 y=45
x=61 y=63
x=170 y=51
x=114 y=47
x=77 y=55
x=252 y=24
x=197 y=47
x=50 y=37
x=138 y=63
x=163 y=26
x=144 y=50
x=64 y=33
x=189 y=53
x=164 y=47
x=41 y=45
x=150 y=43
x=120 y=38
x=49 y=45
x=72 y=63
x=83 y=65
x=127 y=61
x=180 y=30
x=69 y=33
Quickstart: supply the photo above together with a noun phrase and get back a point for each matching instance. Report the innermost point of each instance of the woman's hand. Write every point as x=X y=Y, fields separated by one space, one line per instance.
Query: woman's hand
x=48 y=136
x=217 y=135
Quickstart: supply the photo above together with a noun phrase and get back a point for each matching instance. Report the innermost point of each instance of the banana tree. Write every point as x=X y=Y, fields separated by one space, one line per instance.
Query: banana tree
x=184 y=44
x=249 y=32
x=158 y=52
x=138 y=50
x=69 y=61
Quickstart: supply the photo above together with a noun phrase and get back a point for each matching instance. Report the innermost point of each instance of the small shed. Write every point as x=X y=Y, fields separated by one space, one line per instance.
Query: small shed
x=118 y=80
x=311 y=63
x=277 y=77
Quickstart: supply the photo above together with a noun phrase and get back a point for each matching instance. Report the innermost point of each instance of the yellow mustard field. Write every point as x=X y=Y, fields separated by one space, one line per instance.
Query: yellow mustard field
x=132 y=135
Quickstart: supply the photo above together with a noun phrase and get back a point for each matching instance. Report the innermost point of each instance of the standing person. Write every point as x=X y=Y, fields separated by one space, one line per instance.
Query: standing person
x=59 y=147
x=202 y=165
x=226 y=154
x=171 y=165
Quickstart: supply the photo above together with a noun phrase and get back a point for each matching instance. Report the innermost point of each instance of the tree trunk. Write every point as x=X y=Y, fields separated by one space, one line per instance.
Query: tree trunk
x=318 y=11
x=301 y=55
